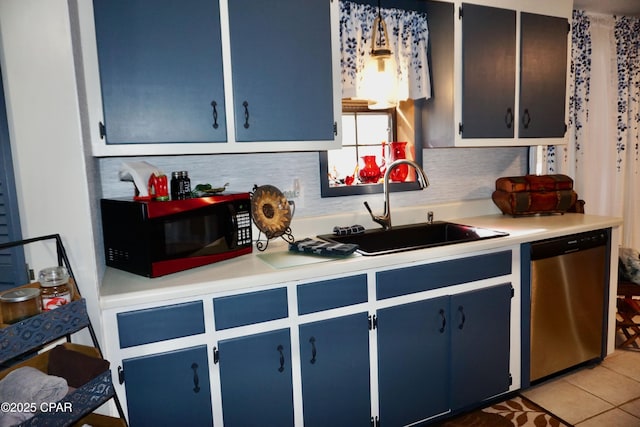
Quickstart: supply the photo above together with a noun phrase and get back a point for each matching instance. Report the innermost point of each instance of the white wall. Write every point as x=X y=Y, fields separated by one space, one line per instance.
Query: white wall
x=45 y=132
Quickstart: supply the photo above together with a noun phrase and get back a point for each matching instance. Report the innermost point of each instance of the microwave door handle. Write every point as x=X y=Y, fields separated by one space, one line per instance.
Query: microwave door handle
x=231 y=229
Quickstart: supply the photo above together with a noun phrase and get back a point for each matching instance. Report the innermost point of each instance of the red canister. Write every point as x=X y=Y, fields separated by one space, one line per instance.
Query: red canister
x=158 y=187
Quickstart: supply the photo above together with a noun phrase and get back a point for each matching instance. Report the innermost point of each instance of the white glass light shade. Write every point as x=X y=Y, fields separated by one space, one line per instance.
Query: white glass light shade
x=380 y=82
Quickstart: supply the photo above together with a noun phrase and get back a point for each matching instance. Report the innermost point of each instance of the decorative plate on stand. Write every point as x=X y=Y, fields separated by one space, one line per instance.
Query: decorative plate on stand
x=271 y=213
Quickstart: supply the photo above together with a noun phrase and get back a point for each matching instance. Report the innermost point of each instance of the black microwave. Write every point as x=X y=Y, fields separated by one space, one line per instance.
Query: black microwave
x=155 y=238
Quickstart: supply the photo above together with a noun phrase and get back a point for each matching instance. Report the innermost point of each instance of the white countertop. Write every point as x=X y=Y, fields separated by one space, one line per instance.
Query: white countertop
x=121 y=289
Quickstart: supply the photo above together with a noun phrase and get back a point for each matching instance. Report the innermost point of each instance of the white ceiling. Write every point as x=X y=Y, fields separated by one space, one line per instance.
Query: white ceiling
x=609 y=7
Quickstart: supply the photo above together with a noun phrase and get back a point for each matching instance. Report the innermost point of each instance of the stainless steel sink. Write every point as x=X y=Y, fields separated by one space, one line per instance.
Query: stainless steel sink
x=414 y=236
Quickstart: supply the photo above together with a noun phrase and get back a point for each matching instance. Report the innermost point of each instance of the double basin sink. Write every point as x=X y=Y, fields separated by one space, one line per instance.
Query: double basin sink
x=414 y=236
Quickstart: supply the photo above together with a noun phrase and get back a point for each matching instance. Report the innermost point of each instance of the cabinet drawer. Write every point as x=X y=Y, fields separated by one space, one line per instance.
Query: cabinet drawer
x=254 y=307
x=393 y=283
x=160 y=323
x=328 y=294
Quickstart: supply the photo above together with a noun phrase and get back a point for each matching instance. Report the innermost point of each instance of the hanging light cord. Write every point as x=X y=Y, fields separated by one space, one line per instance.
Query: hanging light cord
x=379 y=26
x=377 y=45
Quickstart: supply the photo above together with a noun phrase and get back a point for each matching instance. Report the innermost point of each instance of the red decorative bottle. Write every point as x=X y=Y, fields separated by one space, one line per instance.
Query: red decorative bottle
x=370 y=173
x=398 y=151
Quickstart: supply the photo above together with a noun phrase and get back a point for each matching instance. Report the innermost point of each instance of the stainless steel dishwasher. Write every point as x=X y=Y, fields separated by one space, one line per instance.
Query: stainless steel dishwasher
x=568 y=301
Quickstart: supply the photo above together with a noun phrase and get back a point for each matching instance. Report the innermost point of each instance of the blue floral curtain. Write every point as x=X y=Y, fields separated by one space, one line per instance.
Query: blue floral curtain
x=580 y=82
x=627 y=35
x=603 y=153
x=557 y=159
x=408 y=39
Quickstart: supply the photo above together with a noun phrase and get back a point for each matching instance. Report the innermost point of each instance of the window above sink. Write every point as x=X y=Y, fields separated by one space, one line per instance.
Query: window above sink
x=377 y=133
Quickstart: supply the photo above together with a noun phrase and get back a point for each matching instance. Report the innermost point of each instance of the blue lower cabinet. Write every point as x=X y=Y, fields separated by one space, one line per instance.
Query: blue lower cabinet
x=336 y=389
x=480 y=344
x=255 y=377
x=413 y=361
x=169 y=388
x=443 y=354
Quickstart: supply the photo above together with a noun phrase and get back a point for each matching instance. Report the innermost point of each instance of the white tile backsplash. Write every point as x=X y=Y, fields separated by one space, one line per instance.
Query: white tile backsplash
x=454 y=174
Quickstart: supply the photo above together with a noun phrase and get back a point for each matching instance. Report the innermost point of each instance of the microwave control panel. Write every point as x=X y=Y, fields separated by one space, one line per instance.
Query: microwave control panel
x=243 y=221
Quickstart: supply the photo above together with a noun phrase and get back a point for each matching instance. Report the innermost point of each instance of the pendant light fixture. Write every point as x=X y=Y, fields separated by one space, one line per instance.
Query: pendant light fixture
x=380 y=80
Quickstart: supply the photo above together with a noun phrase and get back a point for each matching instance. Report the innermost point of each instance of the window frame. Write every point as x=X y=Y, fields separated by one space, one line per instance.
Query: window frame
x=326 y=190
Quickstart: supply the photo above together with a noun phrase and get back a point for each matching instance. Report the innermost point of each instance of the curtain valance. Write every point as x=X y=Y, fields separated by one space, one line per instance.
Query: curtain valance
x=408 y=39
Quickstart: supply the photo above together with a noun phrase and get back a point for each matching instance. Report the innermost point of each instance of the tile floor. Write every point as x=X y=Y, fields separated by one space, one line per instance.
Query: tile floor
x=607 y=394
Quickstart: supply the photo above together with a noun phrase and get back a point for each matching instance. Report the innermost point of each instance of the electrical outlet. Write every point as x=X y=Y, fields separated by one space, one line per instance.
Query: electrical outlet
x=296 y=193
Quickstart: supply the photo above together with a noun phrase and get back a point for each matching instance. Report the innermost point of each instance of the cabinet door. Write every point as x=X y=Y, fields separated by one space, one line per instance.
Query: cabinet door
x=480 y=344
x=282 y=70
x=335 y=372
x=436 y=124
x=543 y=76
x=169 y=388
x=160 y=70
x=255 y=376
x=488 y=72
x=413 y=361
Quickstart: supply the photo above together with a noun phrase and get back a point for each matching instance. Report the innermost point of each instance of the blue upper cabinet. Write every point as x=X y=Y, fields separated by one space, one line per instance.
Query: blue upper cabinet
x=211 y=76
x=488 y=72
x=160 y=71
x=543 y=76
x=516 y=45
x=282 y=70
x=499 y=74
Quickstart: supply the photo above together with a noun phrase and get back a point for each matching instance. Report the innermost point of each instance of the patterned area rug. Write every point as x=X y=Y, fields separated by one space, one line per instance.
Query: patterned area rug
x=517 y=411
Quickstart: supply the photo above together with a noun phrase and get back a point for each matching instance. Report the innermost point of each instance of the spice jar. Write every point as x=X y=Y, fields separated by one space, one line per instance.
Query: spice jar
x=185 y=183
x=180 y=185
x=20 y=304
x=175 y=186
x=54 y=287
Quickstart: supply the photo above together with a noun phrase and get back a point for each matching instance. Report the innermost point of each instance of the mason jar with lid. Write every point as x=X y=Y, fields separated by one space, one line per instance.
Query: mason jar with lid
x=20 y=304
x=54 y=287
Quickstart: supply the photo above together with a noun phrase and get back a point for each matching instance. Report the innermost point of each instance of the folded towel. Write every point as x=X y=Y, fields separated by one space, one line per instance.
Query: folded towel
x=29 y=385
x=320 y=247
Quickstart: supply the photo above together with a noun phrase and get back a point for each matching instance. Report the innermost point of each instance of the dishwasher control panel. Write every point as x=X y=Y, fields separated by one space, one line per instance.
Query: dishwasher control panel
x=567 y=244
